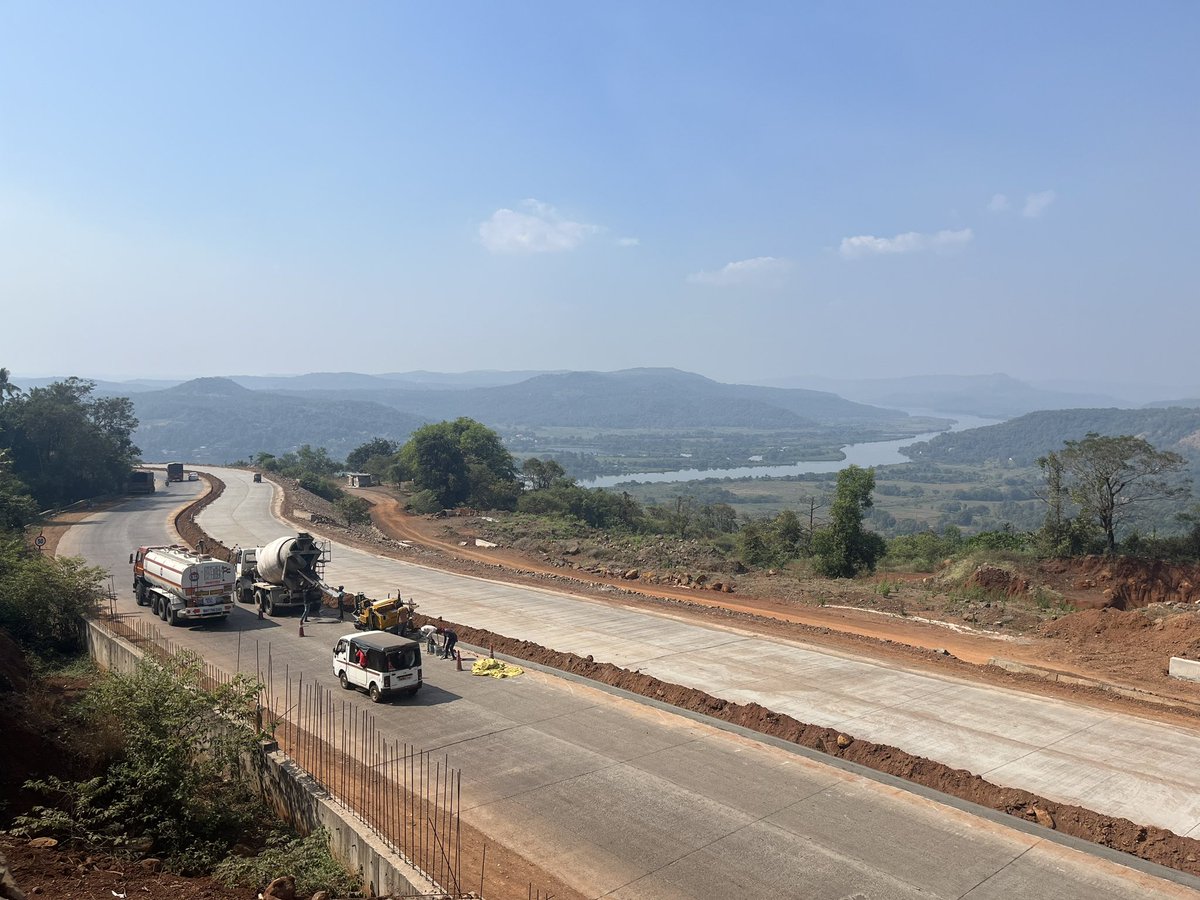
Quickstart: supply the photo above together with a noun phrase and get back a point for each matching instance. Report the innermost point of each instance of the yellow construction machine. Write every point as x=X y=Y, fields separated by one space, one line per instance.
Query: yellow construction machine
x=393 y=614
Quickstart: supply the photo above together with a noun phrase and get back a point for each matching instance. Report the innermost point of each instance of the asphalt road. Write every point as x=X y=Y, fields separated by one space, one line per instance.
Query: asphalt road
x=624 y=800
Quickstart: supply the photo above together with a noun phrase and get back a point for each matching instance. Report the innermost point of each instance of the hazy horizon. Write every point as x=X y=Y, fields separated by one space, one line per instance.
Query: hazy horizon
x=861 y=190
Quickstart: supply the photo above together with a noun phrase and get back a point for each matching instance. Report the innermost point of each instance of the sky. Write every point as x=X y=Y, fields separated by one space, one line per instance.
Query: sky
x=748 y=191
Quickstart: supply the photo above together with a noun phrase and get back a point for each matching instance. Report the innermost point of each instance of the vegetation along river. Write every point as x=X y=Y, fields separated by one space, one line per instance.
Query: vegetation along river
x=866 y=454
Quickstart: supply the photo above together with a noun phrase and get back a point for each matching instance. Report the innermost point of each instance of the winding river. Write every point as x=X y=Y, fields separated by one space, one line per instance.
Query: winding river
x=866 y=454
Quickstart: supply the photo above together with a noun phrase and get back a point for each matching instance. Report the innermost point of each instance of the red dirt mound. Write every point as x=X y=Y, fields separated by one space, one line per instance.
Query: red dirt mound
x=1126 y=582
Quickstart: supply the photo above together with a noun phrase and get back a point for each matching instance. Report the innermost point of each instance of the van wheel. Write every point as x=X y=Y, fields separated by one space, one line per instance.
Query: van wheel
x=344 y=680
x=376 y=694
x=412 y=691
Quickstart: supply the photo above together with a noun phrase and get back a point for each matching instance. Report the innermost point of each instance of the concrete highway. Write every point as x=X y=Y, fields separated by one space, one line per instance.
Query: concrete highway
x=623 y=800
x=1110 y=762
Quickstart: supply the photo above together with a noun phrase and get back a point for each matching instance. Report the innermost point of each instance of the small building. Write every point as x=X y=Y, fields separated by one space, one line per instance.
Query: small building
x=360 y=479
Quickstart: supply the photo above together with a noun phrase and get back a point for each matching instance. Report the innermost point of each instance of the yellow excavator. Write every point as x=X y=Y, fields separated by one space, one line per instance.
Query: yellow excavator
x=393 y=614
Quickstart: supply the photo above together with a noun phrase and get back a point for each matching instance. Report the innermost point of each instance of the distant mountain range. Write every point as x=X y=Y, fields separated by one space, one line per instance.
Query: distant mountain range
x=214 y=420
x=218 y=420
x=1022 y=440
x=989 y=396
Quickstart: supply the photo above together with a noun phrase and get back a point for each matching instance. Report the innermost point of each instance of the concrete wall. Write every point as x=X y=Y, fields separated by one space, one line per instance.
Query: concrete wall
x=296 y=797
x=1187 y=669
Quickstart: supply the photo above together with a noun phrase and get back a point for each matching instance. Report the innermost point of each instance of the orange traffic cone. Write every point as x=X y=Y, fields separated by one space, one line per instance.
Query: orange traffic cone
x=458 y=660
x=301 y=629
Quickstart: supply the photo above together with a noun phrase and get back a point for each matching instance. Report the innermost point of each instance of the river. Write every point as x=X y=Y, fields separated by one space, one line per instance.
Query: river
x=866 y=454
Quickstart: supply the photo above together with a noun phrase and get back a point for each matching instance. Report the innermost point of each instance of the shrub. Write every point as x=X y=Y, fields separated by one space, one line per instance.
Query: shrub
x=355 y=510
x=306 y=858
x=43 y=598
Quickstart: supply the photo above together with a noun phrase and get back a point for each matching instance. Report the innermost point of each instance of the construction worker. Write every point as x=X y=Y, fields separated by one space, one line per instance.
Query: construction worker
x=449 y=639
x=427 y=634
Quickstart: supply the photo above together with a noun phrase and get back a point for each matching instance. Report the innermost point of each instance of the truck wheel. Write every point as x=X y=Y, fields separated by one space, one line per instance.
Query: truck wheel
x=272 y=609
x=376 y=694
x=245 y=596
x=173 y=618
x=139 y=595
x=344 y=680
x=163 y=609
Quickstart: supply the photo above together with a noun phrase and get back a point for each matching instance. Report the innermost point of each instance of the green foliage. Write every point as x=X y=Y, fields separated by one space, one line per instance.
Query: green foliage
x=460 y=463
x=321 y=486
x=843 y=548
x=355 y=510
x=373 y=450
x=306 y=858
x=64 y=444
x=923 y=551
x=771 y=542
x=43 y=599
x=594 y=506
x=173 y=778
x=17 y=507
x=543 y=474
x=1110 y=477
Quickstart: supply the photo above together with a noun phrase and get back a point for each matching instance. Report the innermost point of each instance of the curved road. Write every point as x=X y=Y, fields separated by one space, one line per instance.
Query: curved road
x=1110 y=762
x=623 y=800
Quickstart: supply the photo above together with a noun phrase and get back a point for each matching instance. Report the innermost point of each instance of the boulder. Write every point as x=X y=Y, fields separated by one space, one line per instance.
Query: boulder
x=282 y=888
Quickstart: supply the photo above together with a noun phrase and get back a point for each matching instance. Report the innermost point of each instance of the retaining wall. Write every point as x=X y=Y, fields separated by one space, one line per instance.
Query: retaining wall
x=295 y=796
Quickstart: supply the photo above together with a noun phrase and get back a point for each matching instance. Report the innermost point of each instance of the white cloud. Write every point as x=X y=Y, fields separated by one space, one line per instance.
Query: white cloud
x=535 y=228
x=1036 y=204
x=909 y=242
x=759 y=270
x=628 y=242
x=999 y=203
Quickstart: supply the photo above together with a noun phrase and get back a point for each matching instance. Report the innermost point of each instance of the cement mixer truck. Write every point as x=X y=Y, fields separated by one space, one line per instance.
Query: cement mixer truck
x=284 y=575
x=181 y=586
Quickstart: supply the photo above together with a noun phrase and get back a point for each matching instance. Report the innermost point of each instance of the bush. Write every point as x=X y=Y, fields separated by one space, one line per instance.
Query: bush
x=307 y=858
x=43 y=599
x=355 y=510
x=172 y=781
x=322 y=487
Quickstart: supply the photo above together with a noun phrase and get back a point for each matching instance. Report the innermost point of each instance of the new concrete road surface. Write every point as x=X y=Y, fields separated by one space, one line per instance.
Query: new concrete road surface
x=1110 y=762
x=624 y=800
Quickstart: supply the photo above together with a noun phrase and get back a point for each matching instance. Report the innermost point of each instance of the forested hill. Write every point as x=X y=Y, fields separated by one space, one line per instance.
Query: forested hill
x=1028 y=437
x=214 y=420
x=632 y=398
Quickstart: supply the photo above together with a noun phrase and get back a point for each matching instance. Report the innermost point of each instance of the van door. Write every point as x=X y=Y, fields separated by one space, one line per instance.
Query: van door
x=355 y=673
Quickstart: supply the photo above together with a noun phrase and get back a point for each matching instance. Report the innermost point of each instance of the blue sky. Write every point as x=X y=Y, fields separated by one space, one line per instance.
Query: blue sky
x=748 y=191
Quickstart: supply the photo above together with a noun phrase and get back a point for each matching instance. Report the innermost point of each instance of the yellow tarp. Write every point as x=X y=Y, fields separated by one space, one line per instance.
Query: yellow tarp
x=495 y=668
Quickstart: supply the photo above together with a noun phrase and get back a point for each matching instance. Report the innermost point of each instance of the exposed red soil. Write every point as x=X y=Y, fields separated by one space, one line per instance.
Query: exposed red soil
x=59 y=873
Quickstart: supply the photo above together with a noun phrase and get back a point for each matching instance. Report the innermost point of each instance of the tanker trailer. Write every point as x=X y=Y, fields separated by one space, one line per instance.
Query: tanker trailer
x=181 y=586
x=283 y=575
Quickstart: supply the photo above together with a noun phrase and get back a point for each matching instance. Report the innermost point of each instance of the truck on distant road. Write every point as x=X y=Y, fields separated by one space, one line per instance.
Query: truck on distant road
x=141 y=481
x=174 y=472
x=182 y=586
x=283 y=575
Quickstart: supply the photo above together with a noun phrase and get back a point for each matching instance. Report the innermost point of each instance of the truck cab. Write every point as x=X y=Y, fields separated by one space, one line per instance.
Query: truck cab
x=379 y=663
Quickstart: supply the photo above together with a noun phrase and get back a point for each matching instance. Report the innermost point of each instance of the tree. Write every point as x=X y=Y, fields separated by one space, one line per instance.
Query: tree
x=843 y=548
x=66 y=445
x=543 y=474
x=17 y=508
x=460 y=462
x=8 y=390
x=1111 y=477
x=361 y=455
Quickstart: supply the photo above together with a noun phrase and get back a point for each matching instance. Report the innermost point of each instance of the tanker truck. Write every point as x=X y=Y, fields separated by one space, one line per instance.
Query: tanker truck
x=283 y=575
x=181 y=586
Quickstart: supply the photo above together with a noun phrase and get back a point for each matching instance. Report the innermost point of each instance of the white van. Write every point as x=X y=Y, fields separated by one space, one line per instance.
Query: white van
x=378 y=663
